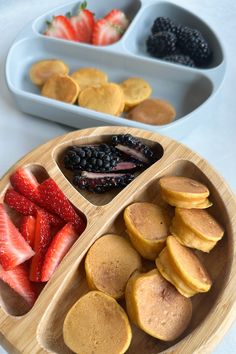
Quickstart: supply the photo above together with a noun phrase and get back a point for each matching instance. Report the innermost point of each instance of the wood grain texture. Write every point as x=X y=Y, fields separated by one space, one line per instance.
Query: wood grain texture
x=40 y=329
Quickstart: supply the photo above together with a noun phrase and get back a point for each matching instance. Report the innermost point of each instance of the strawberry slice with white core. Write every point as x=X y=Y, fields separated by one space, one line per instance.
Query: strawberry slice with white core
x=105 y=33
x=60 y=27
x=118 y=18
x=18 y=280
x=58 y=248
x=83 y=24
x=24 y=182
x=14 y=250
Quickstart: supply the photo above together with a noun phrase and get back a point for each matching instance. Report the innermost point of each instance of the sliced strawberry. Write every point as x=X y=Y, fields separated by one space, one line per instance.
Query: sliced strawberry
x=56 y=202
x=58 y=248
x=105 y=33
x=24 y=182
x=27 y=229
x=18 y=280
x=24 y=206
x=19 y=203
x=118 y=18
x=60 y=27
x=14 y=250
x=83 y=24
x=41 y=243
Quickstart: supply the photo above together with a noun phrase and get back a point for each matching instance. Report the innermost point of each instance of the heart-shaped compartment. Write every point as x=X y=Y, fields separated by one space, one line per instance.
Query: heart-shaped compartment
x=107 y=197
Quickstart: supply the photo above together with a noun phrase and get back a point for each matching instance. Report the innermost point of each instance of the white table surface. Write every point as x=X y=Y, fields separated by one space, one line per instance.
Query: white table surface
x=214 y=139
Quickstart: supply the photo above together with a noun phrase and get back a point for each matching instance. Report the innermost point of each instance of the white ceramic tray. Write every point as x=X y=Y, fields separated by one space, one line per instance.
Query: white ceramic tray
x=190 y=90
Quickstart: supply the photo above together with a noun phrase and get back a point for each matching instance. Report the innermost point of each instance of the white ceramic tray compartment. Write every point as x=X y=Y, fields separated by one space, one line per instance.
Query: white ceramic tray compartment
x=188 y=89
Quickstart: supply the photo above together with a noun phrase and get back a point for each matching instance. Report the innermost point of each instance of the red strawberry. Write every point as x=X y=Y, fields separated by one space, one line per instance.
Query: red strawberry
x=55 y=201
x=14 y=250
x=19 y=203
x=18 y=280
x=105 y=33
x=24 y=206
x=118 y=18
x=41 y=243
x=24 y=182
x=27 y=229
x=60 y=27
x=83 y=24
x=58 y=248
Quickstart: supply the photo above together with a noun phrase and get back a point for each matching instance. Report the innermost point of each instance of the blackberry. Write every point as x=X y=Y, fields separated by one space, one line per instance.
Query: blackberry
x=161 y=44
x=100 y=183
x=133 y=147
x=180 y=59
x=163 y=24
x=99 y=158
x=192 y=43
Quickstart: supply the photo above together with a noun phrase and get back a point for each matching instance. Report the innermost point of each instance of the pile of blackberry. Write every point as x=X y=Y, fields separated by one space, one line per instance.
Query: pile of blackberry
x=101 y=167
x=178 y=44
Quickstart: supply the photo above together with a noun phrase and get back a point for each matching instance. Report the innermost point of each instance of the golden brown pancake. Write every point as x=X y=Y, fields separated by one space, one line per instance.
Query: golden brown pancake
x=106 y=98
x=196 y=228
x=86 y=77
x=152 y=111
x=109 y=263
x=135 y=91
x=184 y=192
x=41 y=71
x=97 y=324
x=62 y=88
x=156 y=307
x=180 y=261
x=147 y=226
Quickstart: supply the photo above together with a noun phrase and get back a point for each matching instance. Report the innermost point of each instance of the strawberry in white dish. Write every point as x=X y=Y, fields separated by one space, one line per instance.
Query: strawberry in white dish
x=60 y=27
x=118 y=18
x=83 y=24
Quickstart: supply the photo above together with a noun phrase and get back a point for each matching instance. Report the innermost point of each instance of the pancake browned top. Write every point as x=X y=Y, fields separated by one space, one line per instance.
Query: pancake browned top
x=187 y=263
x=184 y=185
x=156 y=306
x=202 y=222
x=149 y=220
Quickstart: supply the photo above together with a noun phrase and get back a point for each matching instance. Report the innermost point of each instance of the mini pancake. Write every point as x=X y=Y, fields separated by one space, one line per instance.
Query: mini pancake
x=41 y=71
x=153 y=111
x=147 y=226
x=109 y=263
x=106 y=98
x=86 y=77
x=196 y=228
x=62 y=88
x=95 y=324
x=156 y=307
x=178 y=261
x=135 y=91
x=184 y=192
x=169 y=271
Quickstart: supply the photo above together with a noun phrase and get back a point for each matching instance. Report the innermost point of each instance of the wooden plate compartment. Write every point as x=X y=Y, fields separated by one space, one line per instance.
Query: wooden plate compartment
x=40 y=330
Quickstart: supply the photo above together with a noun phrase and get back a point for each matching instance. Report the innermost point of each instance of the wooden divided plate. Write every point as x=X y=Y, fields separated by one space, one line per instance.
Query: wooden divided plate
x=40 y=329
